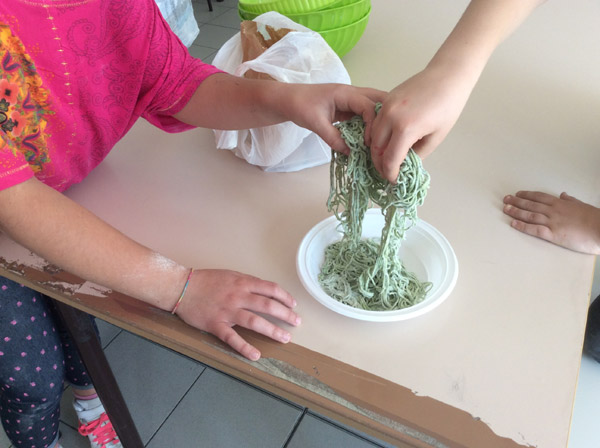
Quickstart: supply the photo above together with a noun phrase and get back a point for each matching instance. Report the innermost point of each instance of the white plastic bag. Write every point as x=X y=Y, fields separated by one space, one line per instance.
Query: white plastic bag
x=180 y=17
x=301 y=56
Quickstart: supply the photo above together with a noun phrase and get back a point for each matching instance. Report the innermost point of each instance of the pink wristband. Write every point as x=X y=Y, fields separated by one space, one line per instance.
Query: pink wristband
x=187 y=282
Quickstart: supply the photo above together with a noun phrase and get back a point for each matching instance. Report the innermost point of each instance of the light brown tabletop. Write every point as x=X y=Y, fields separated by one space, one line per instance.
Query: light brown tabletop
x=496 y=364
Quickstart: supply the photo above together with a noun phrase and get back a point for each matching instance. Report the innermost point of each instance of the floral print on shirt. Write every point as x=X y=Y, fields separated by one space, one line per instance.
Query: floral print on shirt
x=23 y=103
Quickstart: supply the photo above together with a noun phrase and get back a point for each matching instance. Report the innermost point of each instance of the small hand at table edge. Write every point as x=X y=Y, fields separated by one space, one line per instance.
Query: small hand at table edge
x=217 y=300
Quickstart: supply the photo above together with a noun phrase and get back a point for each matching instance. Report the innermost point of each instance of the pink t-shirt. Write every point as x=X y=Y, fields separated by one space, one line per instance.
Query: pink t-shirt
x=74 y=78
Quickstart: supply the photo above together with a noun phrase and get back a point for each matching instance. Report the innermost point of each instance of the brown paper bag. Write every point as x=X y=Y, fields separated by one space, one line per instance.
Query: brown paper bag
x=254 y=43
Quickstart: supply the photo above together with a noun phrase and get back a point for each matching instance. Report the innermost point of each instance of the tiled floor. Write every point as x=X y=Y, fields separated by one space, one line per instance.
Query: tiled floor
x=216 y=27
x=179 y=403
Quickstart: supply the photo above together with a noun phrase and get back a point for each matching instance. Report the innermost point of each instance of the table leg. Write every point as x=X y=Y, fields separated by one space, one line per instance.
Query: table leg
x=85 y=338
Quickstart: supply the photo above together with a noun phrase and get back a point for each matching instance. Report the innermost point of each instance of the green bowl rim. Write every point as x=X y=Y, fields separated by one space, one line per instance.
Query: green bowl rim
x=309 y=12
x=366 y=16
x=328 y=3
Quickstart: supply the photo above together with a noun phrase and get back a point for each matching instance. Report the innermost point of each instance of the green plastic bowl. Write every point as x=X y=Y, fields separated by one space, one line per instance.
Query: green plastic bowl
x=285 y=6
x=343 y=39
x=329 y=19
x=325 y=19
x=339 y=3
x=245 y=15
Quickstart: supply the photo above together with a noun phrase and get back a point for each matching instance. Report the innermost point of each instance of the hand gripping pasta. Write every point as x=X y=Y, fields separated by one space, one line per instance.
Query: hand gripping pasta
x=365 y=273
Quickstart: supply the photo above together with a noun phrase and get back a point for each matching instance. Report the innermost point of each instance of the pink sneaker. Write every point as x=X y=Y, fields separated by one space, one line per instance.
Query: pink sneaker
x=95 y=424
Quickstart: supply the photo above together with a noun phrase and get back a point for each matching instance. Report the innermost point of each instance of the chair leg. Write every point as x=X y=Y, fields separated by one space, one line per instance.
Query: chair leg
x=86 y=340
x=210 y=8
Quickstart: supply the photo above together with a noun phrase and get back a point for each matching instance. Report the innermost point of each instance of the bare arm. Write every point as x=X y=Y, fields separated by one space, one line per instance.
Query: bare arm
x=482 y=27
x=224 y=101
x=71 y=237
x=421 y=111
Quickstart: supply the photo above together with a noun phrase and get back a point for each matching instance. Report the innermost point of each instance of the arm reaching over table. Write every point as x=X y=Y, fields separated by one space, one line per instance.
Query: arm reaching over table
x=224 y=101
x=420 y=112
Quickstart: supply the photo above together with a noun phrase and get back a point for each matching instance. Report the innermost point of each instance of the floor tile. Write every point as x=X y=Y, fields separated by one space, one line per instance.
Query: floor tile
x=201 y=52
x=315 y=432
x=152 y=380
x=230 y=19
x=229 y=3
x=107 y=332
x=352 y=430
x=4 y=442
x=72 y=439
x=203 y=15
x=213 y=36
x=220 y=411
x=209 y=59
x=215 y=3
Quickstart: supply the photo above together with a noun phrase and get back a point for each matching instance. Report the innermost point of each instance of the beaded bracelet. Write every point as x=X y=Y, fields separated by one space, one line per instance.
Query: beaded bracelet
x=187 y=282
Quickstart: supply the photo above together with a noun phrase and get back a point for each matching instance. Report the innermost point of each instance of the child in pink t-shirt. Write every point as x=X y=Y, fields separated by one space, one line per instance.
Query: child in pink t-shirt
x=74 y=78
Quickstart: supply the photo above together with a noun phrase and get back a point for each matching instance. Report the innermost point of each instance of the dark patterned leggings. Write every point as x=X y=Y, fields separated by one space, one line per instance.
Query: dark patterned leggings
x=36 y=356
x=592 y=330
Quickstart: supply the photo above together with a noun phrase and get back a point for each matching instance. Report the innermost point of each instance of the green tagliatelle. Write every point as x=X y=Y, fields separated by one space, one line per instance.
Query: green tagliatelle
x=364 y=273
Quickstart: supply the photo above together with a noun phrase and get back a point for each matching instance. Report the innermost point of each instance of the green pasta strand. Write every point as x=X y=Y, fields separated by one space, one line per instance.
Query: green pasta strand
x=365 y=273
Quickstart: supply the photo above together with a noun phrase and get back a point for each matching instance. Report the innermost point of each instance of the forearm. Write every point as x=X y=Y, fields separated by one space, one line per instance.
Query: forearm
x=225 y=101
x=69 y=236
x=483 y=26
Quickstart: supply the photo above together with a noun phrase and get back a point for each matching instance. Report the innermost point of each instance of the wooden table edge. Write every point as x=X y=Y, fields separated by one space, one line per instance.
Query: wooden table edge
x=330 y=387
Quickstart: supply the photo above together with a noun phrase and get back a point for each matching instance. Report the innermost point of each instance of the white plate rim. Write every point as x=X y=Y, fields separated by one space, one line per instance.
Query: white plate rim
x=438 y=294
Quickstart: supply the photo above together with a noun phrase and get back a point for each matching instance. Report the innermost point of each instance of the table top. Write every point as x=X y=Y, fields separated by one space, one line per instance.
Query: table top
x=498 y=360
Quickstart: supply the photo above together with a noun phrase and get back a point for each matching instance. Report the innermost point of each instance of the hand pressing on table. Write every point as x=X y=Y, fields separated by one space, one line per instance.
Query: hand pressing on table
x=217 y=300
x=563 y=220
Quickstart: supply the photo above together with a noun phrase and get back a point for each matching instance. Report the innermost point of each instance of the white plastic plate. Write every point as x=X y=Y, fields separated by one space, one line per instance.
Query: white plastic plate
x=425 y=251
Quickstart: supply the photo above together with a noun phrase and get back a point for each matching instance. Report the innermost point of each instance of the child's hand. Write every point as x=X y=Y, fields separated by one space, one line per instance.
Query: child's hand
x=564 y=221
x=416 y=114
x=420 y=112
x=318 y=106
x=217 y=300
